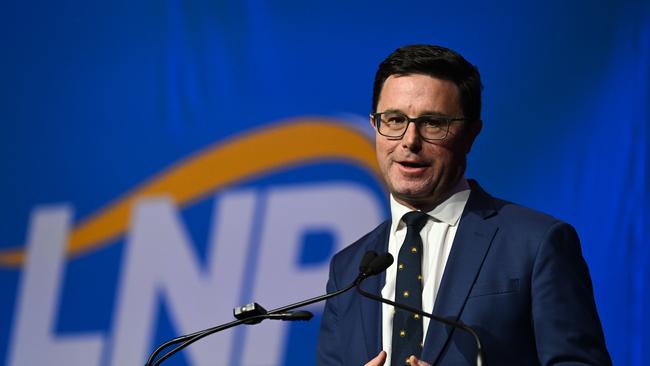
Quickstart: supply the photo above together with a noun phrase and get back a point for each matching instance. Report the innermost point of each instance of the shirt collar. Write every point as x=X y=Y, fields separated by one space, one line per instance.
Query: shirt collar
x=449 y=211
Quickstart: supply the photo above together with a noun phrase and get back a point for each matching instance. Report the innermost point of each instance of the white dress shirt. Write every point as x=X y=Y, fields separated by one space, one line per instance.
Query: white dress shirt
x=437 y=238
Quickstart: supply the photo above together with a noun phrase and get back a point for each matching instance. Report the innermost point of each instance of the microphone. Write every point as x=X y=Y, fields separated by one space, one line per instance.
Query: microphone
x=379 y=264
x=250 y=311
x=370 y=265
x=303 y=315
x=365 y=261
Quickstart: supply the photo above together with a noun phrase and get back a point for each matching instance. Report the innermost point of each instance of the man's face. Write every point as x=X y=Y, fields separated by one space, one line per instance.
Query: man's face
x=419 y=173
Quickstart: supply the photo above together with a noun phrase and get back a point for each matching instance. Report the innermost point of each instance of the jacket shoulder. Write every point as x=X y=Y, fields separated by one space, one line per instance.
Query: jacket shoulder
x=508 y=215
x=512 y=216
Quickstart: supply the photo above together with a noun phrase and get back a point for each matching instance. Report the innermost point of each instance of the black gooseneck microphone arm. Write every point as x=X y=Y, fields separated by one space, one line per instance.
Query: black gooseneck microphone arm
x=370 y=265
x=455 y=324
x=188 y=339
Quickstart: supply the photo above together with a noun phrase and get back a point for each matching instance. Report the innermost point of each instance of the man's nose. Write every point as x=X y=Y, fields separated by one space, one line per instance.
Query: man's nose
x=411 y=138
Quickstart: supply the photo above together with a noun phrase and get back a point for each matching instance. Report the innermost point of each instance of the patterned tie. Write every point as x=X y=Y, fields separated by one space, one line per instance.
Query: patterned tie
x=407 y=327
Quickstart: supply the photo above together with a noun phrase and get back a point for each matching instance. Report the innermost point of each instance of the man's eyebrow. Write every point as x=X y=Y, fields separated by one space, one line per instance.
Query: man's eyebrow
x=424 y=113
x=433 y=113
x=393 y=110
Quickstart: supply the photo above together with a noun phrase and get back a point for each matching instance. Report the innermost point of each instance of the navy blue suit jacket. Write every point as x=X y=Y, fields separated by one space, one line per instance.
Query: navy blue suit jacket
x=515 y=275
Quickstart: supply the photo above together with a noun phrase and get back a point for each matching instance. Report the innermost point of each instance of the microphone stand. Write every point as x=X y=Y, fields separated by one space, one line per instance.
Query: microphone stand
x=371 y=264
x=455 y=324
x=193 y=337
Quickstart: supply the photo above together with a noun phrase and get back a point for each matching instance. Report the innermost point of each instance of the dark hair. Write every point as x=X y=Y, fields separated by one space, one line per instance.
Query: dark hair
x=438 y=62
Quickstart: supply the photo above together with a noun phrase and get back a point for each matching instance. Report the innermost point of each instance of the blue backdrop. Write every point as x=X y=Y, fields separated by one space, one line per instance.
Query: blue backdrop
x=134 y=133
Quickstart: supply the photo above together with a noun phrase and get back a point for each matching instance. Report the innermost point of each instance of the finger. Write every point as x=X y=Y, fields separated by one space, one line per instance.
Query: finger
x=413 y=361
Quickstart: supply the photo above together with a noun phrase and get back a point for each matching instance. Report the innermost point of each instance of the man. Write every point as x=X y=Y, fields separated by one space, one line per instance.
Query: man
x=516 y=276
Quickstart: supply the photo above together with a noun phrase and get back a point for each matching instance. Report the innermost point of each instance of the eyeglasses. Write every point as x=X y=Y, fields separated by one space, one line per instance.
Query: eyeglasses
x=430 y=127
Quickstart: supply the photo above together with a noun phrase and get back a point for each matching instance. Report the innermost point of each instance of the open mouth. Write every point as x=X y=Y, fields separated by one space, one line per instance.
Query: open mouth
x=412 y=164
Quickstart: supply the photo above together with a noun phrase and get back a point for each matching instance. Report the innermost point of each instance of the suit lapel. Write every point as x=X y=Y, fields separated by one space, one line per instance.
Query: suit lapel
x=370 y=309
x=471 y=244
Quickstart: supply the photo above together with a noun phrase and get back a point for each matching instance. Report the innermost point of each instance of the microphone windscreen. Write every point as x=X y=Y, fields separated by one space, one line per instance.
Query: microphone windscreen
x=380 y=263
x=366 y=260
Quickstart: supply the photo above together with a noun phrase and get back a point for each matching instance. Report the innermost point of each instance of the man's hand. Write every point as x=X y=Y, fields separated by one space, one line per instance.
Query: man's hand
x=413 y=361
x=378 y=361
x=381 y=358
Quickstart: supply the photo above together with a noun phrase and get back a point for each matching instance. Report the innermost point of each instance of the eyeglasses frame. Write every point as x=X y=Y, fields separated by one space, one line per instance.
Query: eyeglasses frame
x=376 y=119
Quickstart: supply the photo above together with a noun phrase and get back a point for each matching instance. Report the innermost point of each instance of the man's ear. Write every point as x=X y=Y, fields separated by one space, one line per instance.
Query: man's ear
x=372 y=121
x=473 y=130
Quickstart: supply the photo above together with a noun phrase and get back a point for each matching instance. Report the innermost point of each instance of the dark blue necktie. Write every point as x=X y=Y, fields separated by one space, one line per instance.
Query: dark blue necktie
x=407 y=327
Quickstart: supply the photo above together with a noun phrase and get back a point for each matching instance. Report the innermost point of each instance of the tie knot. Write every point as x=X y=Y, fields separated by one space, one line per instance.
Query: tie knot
x=415 y=219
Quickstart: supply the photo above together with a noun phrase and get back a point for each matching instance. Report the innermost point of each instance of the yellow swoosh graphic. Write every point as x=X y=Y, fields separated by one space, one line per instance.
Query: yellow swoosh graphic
x=247 y=156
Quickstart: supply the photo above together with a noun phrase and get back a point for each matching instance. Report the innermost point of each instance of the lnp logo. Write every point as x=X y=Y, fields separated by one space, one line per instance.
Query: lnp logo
x=255 y=237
